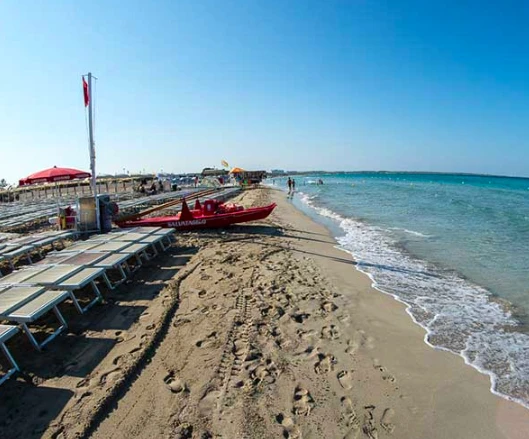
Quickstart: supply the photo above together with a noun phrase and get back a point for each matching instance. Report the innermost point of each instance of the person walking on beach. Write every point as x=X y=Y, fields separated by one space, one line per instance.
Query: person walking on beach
x=289 y=182
x=293 y=186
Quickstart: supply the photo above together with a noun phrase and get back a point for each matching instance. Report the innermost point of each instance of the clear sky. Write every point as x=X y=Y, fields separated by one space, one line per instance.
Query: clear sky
x=335 y=85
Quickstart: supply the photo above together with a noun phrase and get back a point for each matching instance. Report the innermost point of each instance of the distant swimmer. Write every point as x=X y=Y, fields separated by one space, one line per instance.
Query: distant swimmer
x=320 y=181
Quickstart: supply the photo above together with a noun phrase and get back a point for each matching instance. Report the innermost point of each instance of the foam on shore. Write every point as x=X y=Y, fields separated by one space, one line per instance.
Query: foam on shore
x=458 y=316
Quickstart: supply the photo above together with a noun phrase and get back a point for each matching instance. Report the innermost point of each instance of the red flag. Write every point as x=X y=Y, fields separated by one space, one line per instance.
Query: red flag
x=85 y=92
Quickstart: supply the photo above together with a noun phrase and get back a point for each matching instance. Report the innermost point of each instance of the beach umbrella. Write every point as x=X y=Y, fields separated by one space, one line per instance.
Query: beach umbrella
x=236 y=170
x=53 y=175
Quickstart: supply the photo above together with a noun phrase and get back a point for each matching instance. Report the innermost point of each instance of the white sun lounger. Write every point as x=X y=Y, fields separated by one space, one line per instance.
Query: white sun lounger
x=139 y=238
x=115 y=261
x=82 y=246
x=103 y=238
x=83 y=259
x=52 y=240
x=168 y=234
x=35 y=309
x=52 y=275
x=138 y=250
x=110 y=247
x=146 y=230
x=14 y=297
x=55 y=258
x=6 y=332
x=11 y=252
x=85 y=276
x=21 y=276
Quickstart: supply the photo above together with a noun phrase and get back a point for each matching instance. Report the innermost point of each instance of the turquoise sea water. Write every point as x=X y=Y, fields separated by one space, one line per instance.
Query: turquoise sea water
x=455 y=248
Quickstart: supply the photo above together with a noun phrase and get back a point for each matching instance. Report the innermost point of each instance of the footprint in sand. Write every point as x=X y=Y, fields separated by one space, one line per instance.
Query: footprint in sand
x=303 y=402
x=183 y=432
x=349 y=413
x=208 y=341
x=310 y=352
x=240 y=348
x=208 y=402
x=328 y=307
x=330 y=332
x=352 y=434
x=110 y=376
x=386 y=419
x=345 y=378
x=300 y=317
x=306 y=334
x=267 y=372
x=325 y=363
x=386 y=376
x=174 y=383
x=202 y=293
x=290 y=429
x=368 y=427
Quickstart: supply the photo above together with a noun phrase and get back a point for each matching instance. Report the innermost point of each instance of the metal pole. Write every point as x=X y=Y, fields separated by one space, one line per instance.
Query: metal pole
x=92 y=149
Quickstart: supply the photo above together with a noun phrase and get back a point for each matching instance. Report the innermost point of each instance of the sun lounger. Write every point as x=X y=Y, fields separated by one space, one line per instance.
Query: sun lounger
x=6 y=332
x=110 y=247
x=139 y=250
x=83 y=259
x=115 y=261
x=103 y=238
x=52 y=240
x=85 y=276
x=168 y=235
x=22 y=276
x=54 y=258
x=147 y=230
x=140 y=238
x=35 y=309
x=53 y=275
x=12 y=252
x=154 y=239
x=14 y=297
x=131 y=237
x=82 y=246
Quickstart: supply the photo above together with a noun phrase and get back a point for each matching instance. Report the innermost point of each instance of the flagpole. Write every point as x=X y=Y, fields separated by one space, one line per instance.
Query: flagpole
x=92 y=149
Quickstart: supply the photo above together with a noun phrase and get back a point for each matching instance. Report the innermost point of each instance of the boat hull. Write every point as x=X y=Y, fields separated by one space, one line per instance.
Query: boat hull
x=203 y=221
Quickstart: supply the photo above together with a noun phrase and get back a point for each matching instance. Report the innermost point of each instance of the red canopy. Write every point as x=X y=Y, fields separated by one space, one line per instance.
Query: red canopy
x=52 y=175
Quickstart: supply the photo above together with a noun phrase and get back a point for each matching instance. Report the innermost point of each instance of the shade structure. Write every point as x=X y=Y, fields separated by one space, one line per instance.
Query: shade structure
x=236 y=170
x=52 y=175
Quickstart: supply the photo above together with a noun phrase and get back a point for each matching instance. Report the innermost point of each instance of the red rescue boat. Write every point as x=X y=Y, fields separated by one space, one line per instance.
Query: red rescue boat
x=210 y=216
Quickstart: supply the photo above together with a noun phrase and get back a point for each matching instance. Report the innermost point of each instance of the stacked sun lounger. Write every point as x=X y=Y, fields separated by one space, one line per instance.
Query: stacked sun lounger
x=26 y=246
x=33 y=291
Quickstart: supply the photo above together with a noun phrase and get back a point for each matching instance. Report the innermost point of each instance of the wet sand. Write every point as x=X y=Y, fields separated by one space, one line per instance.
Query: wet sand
x=262 y=331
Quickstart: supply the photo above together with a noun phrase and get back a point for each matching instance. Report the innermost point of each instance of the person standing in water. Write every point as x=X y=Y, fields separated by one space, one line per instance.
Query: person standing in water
x=293 y=186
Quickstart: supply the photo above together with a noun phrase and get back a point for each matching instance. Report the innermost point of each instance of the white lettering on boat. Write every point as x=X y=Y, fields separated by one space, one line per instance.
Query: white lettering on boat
x=187 y=223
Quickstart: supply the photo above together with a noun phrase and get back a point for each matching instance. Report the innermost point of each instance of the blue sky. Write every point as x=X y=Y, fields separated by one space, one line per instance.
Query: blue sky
x=336 y=85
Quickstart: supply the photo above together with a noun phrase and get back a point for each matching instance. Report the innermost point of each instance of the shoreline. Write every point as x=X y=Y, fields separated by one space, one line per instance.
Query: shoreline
x=501 y=404
x=315 y=213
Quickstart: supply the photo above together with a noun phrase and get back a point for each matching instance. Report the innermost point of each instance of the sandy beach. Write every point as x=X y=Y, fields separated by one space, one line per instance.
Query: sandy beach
x=262 y=331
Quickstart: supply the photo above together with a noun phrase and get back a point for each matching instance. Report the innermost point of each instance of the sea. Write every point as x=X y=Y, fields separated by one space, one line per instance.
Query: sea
x=454 y=248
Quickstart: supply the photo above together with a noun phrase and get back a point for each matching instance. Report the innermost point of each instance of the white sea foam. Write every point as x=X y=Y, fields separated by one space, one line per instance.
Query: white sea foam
x=412 y=232
x=457 y=315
